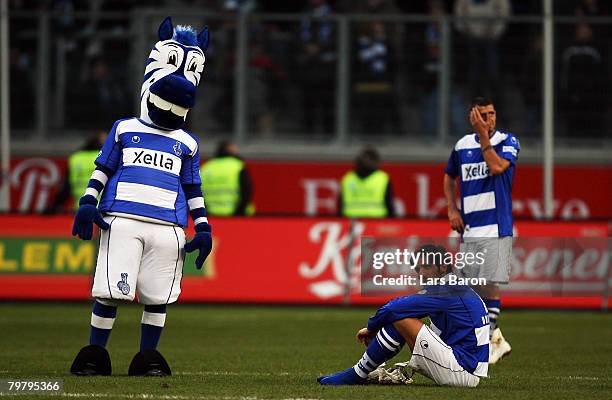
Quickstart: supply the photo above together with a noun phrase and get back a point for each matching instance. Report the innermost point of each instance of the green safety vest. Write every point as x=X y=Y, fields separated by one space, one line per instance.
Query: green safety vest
x=221 y=185
x=80 y=167
x=364 y=198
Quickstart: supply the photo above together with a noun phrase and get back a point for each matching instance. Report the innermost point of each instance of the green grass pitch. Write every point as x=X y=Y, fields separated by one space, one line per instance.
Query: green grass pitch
x=261 y=352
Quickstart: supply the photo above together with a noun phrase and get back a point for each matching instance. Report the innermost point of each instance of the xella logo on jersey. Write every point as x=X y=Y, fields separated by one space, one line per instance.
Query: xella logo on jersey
x=156 y=159
x=151 y=159
x=473 y=171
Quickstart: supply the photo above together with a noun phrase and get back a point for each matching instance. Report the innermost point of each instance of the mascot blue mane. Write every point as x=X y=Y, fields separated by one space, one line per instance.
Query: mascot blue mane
x=172 y=74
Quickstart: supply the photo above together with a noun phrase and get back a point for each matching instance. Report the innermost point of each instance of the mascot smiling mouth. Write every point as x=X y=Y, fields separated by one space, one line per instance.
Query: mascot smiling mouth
x=156 y=102
x=173 y=71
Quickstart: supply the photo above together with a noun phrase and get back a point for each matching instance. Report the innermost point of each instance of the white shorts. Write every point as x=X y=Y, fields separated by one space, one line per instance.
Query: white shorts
x=434 y=359
x=497 y=253
x=139 y=257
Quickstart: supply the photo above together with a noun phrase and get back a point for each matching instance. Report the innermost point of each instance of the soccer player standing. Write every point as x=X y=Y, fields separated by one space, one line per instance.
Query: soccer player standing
x=484 y=162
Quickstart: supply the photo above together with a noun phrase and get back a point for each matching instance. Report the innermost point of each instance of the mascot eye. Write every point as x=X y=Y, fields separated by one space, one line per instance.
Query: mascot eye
x=173 y=58
x=193 y=65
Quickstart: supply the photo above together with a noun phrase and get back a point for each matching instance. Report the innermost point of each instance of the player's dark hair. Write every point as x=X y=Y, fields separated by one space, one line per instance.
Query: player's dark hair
x=480 y=101
x=436 y=253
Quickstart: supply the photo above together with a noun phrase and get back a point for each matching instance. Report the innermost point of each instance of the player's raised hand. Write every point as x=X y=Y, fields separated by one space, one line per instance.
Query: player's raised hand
x=86 y=216
x=202 y=241
x=456 y=222
x=478 y=123
x=364 y=336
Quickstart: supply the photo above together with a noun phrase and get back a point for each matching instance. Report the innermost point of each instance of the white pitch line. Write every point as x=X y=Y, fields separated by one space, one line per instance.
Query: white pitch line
x=147 y=396
x=583 y=378
x=560 y=377
x=232 y=373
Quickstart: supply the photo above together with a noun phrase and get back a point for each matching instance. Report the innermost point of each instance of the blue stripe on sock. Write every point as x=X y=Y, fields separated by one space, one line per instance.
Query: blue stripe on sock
x=159 y=309
x=99 y=336
x=104 y=311
x=491 y=303
x=493 y=309
x=149 y=336
x=394 y=334
x=378 y=352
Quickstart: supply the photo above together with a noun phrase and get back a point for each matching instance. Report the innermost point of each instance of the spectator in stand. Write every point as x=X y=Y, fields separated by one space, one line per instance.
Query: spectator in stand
x=394 y=30
x=108 y=90
x=374 y=82
x=222 y=60
x=428 y=76
x=530 y=85
x=264 y=75
x=591 y=8
x=22 y=98
x=317 y=65
x=366 y=191
x=227 y=183
x=221 y=65
x=482 y=40
x=584 y=84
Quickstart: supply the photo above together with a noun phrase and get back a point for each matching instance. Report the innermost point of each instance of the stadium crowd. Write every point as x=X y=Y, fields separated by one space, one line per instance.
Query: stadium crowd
x=292 y=65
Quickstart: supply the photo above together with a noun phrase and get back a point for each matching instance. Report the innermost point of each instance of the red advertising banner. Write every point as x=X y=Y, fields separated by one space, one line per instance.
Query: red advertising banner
x=311 y=188
x=294 y=260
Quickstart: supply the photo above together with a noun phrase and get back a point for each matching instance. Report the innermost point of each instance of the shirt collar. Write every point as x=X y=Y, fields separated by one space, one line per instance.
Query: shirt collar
x=491 y=138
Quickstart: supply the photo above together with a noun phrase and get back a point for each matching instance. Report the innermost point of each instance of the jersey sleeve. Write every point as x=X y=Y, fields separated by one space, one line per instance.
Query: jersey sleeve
x=452 y=166
x=414 y=306
x=110 y=155
x=511 y=148
x=190 y=169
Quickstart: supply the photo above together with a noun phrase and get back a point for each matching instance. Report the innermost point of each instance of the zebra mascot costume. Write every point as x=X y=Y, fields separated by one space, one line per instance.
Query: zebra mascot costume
x=147 y=178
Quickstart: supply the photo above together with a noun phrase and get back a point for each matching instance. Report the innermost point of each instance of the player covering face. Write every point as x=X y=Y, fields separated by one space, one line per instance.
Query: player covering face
x=453 y=350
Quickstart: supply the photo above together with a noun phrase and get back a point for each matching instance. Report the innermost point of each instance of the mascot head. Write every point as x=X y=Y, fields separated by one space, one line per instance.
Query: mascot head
x=172 y=74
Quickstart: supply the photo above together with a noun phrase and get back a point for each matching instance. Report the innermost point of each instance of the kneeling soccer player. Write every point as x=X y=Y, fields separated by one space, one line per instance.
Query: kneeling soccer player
x=453 y=350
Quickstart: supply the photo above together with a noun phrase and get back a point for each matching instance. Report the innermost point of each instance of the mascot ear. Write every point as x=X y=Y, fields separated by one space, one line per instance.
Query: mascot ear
x=203 y=38
x=166 y=30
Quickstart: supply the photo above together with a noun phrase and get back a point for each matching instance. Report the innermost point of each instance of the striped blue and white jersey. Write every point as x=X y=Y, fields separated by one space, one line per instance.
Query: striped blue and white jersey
x=147 y=168
x=486 y=200
x=458 y=315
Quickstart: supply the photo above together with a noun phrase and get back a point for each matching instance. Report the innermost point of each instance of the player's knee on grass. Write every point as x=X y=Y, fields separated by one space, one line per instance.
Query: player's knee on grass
x=409 y=329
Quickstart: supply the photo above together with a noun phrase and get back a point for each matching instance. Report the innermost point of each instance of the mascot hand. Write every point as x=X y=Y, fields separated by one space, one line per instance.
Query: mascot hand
x=86 y=216
x=202 y=241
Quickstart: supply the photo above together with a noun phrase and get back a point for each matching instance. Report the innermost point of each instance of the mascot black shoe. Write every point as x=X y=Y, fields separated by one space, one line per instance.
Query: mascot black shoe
x=91 y=360
x=149 y=362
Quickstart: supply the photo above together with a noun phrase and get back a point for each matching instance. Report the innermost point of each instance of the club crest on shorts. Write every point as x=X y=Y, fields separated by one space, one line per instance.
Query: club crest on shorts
x=123 y=285
x=424 y=344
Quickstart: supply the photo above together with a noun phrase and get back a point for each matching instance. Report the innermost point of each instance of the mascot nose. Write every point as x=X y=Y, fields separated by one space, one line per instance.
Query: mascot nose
x=175 y=89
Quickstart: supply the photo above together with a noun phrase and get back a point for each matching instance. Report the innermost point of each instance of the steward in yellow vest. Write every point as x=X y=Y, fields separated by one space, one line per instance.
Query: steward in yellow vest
x=80 y=167
x=366 y=192
x=226 y=183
